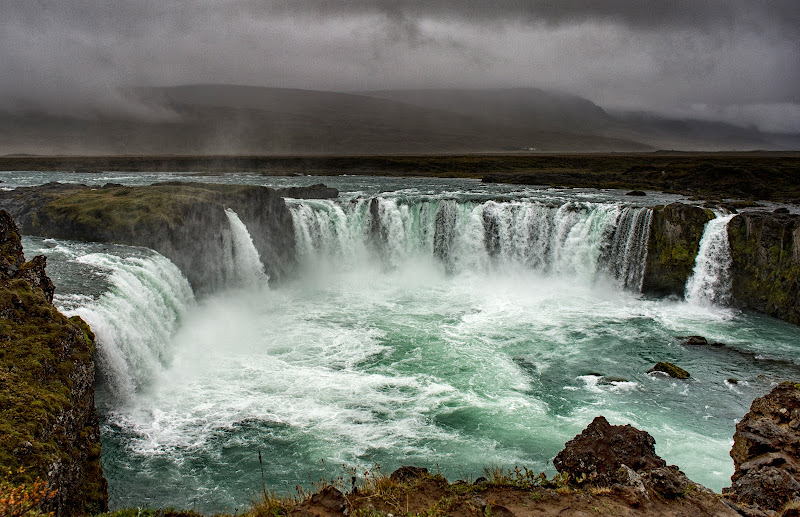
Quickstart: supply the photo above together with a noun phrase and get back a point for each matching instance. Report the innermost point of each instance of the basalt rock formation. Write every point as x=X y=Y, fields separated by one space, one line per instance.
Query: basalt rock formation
x=766 y=451
x=48 y=422
x=675 y=233
x=185 y=222
x=597 y=454
x=765 y=257
x=765 y=268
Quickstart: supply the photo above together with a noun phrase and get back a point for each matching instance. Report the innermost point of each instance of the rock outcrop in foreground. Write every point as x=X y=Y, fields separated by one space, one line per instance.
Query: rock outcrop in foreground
x=48 y=422
x=766 y=451
x=605 y=470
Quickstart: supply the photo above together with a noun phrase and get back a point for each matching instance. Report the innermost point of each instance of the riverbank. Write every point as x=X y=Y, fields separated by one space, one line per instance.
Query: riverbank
x=606 y=470
x=747 y=175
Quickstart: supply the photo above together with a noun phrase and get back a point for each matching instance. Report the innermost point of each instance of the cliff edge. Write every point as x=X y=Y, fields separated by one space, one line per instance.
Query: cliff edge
x=185 y=222
x=48 y=422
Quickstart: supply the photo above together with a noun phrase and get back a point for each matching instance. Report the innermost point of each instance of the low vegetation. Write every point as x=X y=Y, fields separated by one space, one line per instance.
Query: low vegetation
x=745 y=175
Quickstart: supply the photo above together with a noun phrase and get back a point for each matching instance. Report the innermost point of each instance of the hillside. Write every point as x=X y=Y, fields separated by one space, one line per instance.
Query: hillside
x=555 y=111
x=221 y=119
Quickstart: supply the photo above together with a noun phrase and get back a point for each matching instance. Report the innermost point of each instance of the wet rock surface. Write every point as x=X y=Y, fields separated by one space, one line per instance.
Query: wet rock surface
x=675 y=233
x=597 y=454
x=317 y=191
x=670 y=369
x=765 y=451
x=48 y=421
x=765 y=263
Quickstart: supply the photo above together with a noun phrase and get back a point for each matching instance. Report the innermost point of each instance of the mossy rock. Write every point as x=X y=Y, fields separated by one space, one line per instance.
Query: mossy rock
x=48 y=421
x=670 y=369
x=675 y=233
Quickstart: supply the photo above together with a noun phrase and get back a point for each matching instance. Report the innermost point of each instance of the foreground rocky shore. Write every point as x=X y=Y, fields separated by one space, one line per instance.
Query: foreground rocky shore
x=605 y=470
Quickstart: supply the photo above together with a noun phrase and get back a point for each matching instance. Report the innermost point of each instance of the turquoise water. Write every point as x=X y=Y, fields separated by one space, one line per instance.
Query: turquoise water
x=398 y=350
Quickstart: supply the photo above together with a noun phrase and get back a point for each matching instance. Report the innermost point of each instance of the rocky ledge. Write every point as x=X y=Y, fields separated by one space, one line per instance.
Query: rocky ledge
x=765 y=257
x=185 y=222
x=766 y=452
x=673 y=243
x=48 y=423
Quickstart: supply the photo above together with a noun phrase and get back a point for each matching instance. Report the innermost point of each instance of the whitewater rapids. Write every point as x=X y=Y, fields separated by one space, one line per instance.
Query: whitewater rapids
x=443 y=330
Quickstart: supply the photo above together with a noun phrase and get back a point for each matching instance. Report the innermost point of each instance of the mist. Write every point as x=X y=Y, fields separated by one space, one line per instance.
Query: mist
x=733 y=61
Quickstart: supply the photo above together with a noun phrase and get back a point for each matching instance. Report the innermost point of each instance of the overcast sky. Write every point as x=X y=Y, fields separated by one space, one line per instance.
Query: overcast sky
x=735 y=60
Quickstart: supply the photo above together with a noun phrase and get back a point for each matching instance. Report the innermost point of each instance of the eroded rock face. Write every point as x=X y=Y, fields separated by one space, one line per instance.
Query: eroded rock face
x=329 y=501
x=765 y=268
x=11 y=257
x=765 y=450
x=48 y=422
x=675 y=233
x=185 y=222
x=599 y=452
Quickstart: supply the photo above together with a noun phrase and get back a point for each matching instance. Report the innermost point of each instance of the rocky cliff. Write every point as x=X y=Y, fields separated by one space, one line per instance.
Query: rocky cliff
x=48 y=422
x=766 y=452
x=675 y=233
x=765 y=269
x=185 y=222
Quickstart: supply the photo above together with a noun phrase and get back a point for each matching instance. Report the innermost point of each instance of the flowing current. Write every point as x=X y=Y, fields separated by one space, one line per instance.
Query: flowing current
x=710 y=283
x=442 y=324
x=584 y=241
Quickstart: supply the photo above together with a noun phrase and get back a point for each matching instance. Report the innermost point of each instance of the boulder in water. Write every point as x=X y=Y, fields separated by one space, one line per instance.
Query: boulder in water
x=670 y=369
x=597 y=454
x=636 y=193
x=765 y=450
x=693 y=340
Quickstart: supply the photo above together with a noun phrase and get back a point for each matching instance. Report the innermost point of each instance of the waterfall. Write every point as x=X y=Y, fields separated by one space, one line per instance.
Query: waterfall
x=628 y=249
x=245 y=264
x=576 y=239
x=134 y=320
x=710 y=282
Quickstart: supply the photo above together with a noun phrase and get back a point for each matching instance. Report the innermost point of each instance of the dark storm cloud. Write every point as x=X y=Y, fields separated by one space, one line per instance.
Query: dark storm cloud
x=723 y=59
x=634 y=13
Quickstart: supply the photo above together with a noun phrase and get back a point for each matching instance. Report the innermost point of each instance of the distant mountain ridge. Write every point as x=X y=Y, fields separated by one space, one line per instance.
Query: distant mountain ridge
x=232 y=119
